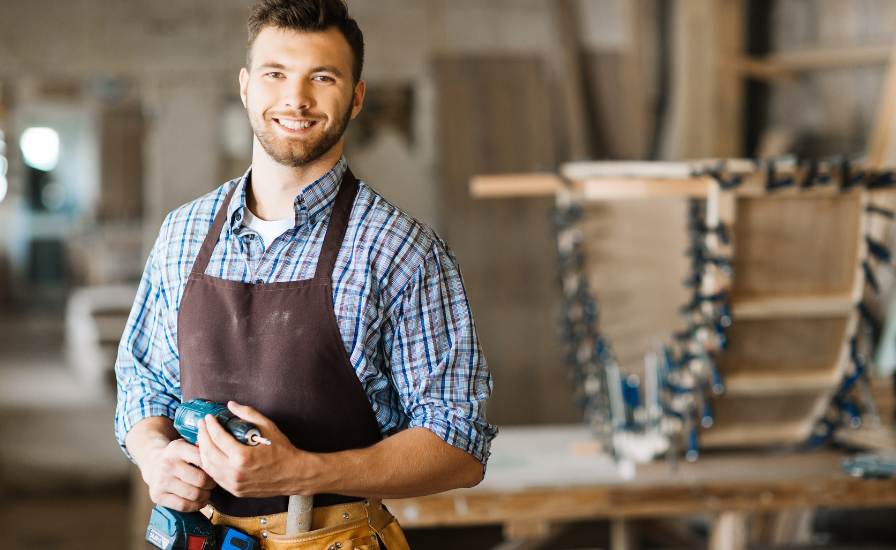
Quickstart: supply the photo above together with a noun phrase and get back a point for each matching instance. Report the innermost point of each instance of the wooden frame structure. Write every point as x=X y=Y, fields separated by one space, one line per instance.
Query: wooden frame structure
x=798 y=252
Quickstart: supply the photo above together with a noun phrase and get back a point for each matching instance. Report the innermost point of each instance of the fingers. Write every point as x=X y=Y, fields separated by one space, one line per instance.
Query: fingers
x=194 y=476
x=249 y=414
x=176 y=503
x=212 y=456
x=219 y=438
x=187 y=492
x=186 y=452
x=177 y=494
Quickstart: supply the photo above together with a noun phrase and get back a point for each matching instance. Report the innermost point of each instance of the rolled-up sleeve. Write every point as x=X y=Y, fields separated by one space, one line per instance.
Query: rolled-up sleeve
x=147 y=368
x=437 y=365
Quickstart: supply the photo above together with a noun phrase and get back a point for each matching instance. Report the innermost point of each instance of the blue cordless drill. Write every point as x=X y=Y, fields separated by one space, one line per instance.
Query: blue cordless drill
x=172 y=530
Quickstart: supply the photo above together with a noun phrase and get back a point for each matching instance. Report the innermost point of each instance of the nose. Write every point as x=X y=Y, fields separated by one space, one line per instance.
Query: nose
x=300 y=96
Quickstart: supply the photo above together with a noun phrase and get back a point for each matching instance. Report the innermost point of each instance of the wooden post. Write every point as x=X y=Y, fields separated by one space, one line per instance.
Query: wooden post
x=705 y=118
x=729 y=531
x=575 y=133
x=622 y=536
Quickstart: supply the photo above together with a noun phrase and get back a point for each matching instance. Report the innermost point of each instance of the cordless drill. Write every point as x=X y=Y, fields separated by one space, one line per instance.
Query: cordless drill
x=172 y=530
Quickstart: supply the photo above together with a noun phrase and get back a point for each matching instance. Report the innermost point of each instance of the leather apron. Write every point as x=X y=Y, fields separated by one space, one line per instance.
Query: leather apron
x=277 y=347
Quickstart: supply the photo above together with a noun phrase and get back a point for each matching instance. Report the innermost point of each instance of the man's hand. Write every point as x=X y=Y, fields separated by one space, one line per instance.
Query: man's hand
x=247 y=471
x=174 y=477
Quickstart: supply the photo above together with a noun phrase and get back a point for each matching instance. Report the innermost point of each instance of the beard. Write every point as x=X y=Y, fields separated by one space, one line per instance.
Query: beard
x=296 y=153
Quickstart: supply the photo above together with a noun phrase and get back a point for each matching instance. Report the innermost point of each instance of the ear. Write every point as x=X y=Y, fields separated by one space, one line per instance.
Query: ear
x=244 y=85
x=358 y=99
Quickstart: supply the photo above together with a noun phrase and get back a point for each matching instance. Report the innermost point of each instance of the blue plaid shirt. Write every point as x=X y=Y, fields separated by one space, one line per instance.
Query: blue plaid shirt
x=398 y=297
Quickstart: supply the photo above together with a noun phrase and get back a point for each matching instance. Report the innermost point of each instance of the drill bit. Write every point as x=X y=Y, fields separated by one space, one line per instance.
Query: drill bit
x=256 y=439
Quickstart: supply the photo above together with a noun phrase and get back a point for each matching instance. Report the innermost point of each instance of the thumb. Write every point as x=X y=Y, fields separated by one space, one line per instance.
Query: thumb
x=249 y=414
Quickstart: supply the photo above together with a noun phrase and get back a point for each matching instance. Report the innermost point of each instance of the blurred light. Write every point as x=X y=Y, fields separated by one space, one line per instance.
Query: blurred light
x=4 y=186
x=40 y=147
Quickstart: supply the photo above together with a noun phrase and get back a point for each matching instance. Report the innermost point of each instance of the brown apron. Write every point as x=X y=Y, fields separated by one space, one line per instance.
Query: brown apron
x=277 y=347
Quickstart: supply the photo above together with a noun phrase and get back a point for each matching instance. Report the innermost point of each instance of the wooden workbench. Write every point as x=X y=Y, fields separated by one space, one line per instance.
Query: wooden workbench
x=541 y=476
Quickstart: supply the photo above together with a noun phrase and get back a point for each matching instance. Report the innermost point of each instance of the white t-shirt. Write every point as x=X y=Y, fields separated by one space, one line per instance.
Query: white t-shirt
x=269 y=230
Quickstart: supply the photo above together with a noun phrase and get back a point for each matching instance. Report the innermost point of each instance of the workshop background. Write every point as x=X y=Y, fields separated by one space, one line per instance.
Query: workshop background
x=114 y=113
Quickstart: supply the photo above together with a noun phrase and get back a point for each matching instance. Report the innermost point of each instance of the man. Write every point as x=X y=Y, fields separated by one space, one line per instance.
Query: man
x=323 y=314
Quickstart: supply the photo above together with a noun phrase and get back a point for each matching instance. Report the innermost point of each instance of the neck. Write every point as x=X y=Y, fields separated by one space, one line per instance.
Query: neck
x=275 y=186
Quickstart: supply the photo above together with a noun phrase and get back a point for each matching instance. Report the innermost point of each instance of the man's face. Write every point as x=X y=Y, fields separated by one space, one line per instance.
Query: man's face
x=299 y=93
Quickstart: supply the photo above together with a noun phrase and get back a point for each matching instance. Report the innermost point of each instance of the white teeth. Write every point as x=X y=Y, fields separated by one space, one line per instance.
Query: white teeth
x=296 y=124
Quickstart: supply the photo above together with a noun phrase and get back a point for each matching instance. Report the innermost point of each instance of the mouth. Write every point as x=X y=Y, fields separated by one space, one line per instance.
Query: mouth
x=295 y=126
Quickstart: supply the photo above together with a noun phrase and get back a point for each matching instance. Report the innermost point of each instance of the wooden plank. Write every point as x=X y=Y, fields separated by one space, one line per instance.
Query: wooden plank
x=786 y=65
x=506 y=247
x=794 y=305
x=689 y=129
x=728 y=531
x=785 y=381
x=622 y=535
x=747 y=435
x=121 y=167
x=729 y=110
x=627 y=244
x=566 y=63
x=607 y=189
x=705 y=117
x=815 y=253
x=881 y=148
x=515 y=186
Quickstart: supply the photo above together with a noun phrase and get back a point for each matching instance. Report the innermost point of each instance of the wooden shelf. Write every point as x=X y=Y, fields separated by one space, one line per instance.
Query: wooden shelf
x=813 y=305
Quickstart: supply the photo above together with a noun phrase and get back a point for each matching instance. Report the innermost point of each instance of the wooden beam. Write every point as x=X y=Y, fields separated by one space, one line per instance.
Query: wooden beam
x=787 y=65
x=814 y=305
x=729 y=113
x=785 y=381
x=882 y=141
x=566 y=63
x=515 y=185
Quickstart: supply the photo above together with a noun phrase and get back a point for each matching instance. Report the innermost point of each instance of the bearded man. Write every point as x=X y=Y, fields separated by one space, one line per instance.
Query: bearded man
x=320 y=312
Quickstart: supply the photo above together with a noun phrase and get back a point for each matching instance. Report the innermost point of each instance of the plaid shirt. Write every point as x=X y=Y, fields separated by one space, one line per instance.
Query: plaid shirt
x=398 y=296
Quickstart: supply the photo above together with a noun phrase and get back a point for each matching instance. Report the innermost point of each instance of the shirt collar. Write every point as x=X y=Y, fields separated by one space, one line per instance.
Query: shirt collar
x=312 y=202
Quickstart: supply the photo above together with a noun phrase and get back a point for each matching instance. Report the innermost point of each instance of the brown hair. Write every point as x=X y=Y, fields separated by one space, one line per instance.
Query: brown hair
x=308 y=16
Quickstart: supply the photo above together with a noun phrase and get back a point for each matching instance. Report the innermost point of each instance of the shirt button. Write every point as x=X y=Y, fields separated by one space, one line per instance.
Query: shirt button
x=238 y=217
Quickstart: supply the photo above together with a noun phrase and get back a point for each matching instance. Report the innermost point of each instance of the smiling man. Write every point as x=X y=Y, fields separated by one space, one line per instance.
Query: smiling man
x=319 y=311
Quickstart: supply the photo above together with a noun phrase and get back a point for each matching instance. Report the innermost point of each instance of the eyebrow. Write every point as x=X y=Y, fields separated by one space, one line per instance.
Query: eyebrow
x=321 y=69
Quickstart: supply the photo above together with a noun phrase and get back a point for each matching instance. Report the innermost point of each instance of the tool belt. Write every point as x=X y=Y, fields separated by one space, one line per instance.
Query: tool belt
x=363 y=525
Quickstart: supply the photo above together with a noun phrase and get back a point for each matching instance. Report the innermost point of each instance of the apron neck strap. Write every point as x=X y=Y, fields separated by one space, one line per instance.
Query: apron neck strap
x=208 y=245
x=342 y=208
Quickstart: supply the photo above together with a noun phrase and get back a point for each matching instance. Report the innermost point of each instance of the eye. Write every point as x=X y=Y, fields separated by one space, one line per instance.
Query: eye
x=274 y=74
x=324 y=78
